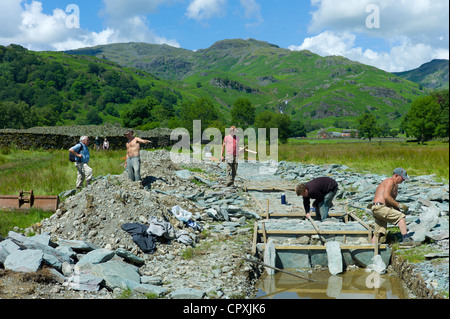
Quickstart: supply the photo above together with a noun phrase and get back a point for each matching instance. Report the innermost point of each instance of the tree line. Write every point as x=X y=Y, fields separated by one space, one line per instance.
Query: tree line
x=41 y=91
x=427 y=118
x=243 y=115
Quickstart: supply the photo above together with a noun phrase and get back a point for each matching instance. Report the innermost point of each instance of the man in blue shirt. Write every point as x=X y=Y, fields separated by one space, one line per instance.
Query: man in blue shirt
x=81 y=152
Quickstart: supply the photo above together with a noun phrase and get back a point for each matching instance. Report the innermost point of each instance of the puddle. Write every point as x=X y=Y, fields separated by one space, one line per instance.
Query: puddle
x=353 y=284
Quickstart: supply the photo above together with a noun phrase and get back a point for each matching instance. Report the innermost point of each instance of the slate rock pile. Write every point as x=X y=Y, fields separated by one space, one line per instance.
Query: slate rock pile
x=90 y=256
x=88 y=251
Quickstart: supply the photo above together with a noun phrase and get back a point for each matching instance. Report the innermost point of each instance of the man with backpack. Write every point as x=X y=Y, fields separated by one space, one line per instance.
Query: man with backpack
x=81 y=153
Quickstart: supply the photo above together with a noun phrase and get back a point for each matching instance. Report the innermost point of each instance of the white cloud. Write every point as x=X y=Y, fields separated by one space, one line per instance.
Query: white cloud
x=252 y=10
x=328 y=43
x=416 y=31
x=10 y=19
x=35 y=30
x=406 y=17
x=405 y=55
x=205 y=9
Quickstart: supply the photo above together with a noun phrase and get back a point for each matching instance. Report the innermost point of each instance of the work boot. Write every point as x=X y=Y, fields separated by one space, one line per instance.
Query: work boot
x=407 y=240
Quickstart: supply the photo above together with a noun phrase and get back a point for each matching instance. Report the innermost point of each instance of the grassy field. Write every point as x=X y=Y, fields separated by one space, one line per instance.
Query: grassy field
x=378 y=157
x=49 y=172
x=46 y=172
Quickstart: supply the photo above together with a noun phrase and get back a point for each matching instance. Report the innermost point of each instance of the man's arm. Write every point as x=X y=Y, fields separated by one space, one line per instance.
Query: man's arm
x=223 y=150
x=71 y=150
x=140 y=140
x=306 y=204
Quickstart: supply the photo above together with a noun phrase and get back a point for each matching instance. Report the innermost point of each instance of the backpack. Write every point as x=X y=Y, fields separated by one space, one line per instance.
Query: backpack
x=72 y=157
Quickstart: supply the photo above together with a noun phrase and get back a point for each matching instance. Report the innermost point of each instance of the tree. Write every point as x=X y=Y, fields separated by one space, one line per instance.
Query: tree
x=394 y=132
x=423 y=118
x=297 y=128
x=368 y=125
x=201 y=109
x=270 y=120
x=385 y=130
x=263 y=119
x=17 y=115
x=442 y=127
x=283 y=123
x=242 y=113
x=139 y=113
x=93 y=118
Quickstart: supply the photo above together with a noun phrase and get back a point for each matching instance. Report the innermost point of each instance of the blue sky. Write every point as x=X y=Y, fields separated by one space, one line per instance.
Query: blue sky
x=393 y=35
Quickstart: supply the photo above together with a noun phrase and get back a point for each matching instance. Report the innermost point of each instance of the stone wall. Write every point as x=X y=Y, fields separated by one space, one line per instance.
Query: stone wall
x=413 y=280
x=66 y=137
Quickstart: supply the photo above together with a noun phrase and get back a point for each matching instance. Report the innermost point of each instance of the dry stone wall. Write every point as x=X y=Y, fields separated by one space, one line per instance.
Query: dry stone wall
x=64 y=137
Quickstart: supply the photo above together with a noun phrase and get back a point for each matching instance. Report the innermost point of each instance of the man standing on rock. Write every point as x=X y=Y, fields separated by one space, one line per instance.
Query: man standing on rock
x=231 y=145
x=386 y=209
x=323 y=190
x=133 y=160
x=81 y=152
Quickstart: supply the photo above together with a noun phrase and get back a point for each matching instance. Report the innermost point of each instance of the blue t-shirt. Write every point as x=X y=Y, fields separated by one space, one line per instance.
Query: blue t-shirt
x=84 y=152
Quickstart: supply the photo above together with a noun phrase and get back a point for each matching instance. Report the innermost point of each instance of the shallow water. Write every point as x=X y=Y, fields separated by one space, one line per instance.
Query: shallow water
x=353 y=284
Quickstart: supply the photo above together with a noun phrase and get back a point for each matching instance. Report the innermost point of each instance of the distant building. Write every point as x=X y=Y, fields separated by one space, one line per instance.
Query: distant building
x=349 y=133
x=322 y=133
x=336 y=134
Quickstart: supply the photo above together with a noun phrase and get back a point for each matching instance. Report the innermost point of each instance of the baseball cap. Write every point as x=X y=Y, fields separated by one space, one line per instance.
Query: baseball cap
x=400 y=171
x=128 y=132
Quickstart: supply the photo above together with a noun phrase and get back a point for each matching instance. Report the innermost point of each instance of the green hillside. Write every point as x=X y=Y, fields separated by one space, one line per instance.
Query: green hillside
x=431 y=75
x=145 y=85
x=304 y=85
x=54 y=88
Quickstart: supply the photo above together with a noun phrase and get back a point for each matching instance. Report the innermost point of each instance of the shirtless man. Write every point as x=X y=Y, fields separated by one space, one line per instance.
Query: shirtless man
x=386 y=209
x=133 y=162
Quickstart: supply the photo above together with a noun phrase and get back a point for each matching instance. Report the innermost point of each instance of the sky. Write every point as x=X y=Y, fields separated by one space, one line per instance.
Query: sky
x=393 y=35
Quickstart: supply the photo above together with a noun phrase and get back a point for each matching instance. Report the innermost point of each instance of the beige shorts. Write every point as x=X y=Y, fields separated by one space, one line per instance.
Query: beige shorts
x=384 y=215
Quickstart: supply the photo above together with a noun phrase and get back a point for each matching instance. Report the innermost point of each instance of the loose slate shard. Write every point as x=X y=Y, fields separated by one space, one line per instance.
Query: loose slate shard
x=335 y=265
x=269 y=256
x=29 y=260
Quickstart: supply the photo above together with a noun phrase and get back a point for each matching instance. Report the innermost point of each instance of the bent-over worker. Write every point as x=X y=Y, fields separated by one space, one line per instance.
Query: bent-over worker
x=323 y=190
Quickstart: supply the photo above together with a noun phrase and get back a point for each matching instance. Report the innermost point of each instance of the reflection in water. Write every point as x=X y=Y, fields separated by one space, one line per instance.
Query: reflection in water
x=354 y=284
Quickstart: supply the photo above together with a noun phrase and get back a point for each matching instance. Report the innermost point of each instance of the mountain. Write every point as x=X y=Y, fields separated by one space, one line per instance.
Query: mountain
x=301 y=84
x=431 y=75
